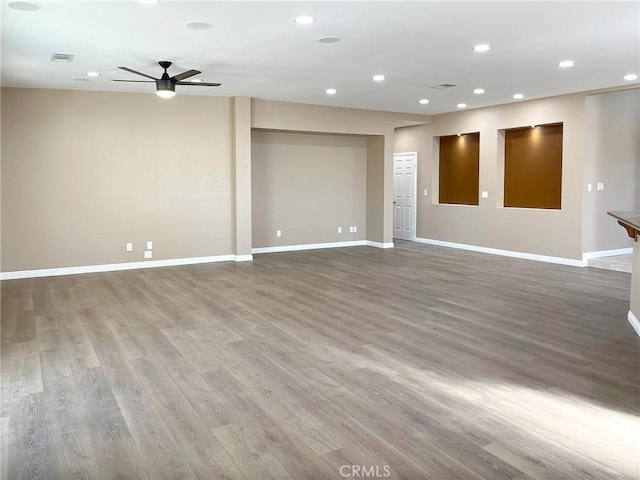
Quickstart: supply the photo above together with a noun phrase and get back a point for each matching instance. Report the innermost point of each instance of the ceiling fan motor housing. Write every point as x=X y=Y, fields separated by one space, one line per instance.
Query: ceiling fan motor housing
x=165 y=84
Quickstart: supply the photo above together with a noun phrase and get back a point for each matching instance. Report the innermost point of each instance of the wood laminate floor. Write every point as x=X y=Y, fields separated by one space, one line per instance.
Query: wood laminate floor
x=413 y=363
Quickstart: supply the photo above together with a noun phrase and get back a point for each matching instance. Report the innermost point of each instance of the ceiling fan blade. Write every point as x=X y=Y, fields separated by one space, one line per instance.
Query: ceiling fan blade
x=183 y=75
x=202 y=84
x=134 y=81
x=127 y=69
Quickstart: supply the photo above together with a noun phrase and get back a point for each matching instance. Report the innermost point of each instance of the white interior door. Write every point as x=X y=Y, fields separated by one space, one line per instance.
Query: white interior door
x=404 y=195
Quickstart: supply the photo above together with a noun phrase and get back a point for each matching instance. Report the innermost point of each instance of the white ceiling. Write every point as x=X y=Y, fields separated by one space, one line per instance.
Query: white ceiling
x=256 y=49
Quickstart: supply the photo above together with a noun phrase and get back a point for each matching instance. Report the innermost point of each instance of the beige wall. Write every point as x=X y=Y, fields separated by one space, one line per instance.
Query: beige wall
x=241 y=174
x=635 y=280
x=266 y=114
x=375 y=188
x=83 y=173
x=308 y=185
x=284 y=116
x=612 y=157
x=543 y=232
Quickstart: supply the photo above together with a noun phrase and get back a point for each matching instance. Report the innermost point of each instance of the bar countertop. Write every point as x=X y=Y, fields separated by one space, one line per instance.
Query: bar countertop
x=629 y=220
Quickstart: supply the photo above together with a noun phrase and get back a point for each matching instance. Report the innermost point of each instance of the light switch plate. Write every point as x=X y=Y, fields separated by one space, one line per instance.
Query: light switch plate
x=600 y=186
x=589 y=187
x=129 y=247
x=355 y=229
x=425 y=193
x=278 y=233
x=485 y=194
x=339 y=229
x=149 y=245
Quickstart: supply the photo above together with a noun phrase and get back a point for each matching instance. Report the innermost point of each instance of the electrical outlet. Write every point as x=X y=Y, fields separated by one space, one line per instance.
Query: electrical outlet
x=350 y=229
x=148 y=254
x=278 y=233
x=129 y=247
x=589 y=187
x=339 y=229
x=600 y=186
x=425 y=193
x=485 y=194
x=149 y=245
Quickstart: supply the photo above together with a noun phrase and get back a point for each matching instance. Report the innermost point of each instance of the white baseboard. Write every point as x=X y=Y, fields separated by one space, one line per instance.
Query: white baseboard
x=379 y=244
x=505 y=253
x=318 y=246
x=53 y=272
x=635 y=323
x=607 y=253
x=308 y=246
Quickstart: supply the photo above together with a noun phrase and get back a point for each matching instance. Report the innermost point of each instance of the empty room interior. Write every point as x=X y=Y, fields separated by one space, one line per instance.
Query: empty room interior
x=320 y=240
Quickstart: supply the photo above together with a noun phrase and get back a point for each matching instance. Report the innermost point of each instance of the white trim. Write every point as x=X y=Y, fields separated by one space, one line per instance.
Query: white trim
x=505 y=253
x=53 y=272
x=371 y=243
x=635 y=323
x=308 y=246
x=607 y=253
x=243 y=258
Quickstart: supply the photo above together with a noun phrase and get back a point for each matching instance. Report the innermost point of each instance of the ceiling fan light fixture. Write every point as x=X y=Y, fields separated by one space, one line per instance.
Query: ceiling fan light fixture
x=165 y=88
x=165 y=93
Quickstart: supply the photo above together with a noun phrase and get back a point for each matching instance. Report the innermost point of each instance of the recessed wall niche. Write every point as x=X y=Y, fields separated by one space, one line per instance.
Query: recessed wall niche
x=459 y=169
x=533 y=166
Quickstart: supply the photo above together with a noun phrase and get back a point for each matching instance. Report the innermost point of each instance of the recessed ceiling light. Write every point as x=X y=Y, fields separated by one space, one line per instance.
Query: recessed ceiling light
x=378 y=78
x=199 y=25
x=482 y=47
x=304 y=20
x=566 y=64
x=25 y=6
x=631 y=76
x=328 y=39
x=478 y=91
x=518 y=96
x=331 y=91
x=462 y=105
x=93 y=74
x=424 y=101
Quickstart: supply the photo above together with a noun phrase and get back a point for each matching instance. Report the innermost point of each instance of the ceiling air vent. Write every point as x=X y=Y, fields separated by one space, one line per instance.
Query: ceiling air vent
x=61 y=57
x=443 y=85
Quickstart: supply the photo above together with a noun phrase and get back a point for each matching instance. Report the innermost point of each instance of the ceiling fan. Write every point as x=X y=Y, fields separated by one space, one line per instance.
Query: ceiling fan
x=166 y=85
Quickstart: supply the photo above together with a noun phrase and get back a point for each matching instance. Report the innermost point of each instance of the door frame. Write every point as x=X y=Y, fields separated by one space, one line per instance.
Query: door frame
x=415 y=190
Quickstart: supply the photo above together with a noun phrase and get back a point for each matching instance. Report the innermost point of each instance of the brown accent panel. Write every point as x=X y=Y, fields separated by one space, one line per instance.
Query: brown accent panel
x=533 y=167
x=460 y=169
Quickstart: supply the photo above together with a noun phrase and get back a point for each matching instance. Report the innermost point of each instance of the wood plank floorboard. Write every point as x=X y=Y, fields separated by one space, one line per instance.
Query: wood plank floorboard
x=418 y=362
